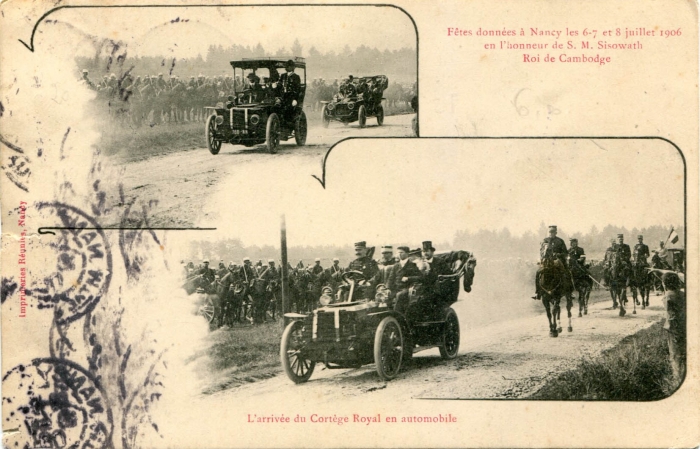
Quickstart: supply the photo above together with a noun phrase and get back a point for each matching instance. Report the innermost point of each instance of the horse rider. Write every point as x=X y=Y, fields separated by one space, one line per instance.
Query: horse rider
x=334 y=273
x=575 y=251
x=607 y=260
x=407 y=275
x=271 y=277
x=552 y=249
x=317 y=269
x=208 y=275
x=663 y=252
x=641 y=252
x=623 y=249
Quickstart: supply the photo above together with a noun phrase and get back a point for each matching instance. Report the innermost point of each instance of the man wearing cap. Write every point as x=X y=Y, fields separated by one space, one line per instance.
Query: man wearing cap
x=87 y=81
x=406 y=275
x=271 y=277
x=386 y=273
x=334 y=274
x=641 y=252
x=575 y=253
x=208 y=275
x=623 y=249
x=552 y=249
x=675 y=304
x=289 y=87
x=221 y=271
x=364 y=262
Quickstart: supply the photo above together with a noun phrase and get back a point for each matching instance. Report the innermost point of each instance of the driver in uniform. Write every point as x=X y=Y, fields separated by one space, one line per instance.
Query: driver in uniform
x=365 y=265
x=289 y=88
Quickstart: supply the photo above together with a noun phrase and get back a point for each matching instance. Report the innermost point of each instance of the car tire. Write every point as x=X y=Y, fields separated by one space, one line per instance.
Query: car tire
x=299 y=371
x=449 y=347
x=388 y=348
x=300 y=129
x=380 y=115
x=362 y=116
x=272 y=133
x=325 y=117
x=213 y=144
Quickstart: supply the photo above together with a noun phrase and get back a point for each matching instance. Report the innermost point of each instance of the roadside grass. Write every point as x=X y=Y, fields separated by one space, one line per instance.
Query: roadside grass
x=243 y=354
x=133 y=144
x=637 y=369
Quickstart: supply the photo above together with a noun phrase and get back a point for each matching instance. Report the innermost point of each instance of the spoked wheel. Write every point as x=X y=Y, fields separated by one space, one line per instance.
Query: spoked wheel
x=326 y=118
x=213 y=144
x=300 y=129
x=298 y=369
x=208 y=310
x=362 y=116
x=272 y=135
x=380 y=115
x=450 y=336
x=388 y=348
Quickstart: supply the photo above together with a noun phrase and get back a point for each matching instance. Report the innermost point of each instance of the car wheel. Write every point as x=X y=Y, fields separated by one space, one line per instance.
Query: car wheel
x=272 y=135
x=300 y=129
x=450 y=336
x=213 y=144
x=388 y=348
x=298 y=369
x=362 y=116
x=380 y=115
x=325 y=117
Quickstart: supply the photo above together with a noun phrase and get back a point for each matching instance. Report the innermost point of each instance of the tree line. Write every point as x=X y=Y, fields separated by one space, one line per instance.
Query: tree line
x=399 y=65
x=489 y=244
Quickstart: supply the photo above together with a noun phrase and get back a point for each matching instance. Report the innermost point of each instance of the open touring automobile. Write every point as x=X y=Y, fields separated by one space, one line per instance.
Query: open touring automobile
x=358 y=326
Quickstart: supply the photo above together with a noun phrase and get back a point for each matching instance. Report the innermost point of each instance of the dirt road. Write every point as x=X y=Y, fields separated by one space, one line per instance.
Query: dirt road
x=507 y=359
x=184 y=182
x=499 y=360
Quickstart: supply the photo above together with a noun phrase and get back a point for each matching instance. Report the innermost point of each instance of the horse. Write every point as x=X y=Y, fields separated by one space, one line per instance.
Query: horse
x=583 y=284
x=640 y=281
x=554 y=281
x=619 y=279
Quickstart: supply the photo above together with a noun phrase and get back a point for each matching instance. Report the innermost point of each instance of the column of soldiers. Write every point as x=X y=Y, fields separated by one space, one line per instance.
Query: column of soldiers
x=574 y=258
x=154 y=100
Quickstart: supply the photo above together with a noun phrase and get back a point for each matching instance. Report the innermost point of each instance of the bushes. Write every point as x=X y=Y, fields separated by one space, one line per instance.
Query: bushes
x=637 y=369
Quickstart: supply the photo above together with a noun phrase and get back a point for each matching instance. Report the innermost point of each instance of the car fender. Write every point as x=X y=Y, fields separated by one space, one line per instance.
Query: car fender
x=384 y=313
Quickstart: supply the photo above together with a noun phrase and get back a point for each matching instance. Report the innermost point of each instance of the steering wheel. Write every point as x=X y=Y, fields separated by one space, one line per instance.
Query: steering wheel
x=353 y=276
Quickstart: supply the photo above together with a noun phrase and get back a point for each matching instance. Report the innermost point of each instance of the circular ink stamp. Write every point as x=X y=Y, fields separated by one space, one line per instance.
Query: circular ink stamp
x=54 y=403
x=79 y=275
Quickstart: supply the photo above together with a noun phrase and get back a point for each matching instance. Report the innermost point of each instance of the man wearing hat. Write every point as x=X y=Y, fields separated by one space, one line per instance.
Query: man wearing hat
x=208 y=275
x=436 y=268
x=364 y=262
x=289 y=87
x=406 y=275
x=552 y=249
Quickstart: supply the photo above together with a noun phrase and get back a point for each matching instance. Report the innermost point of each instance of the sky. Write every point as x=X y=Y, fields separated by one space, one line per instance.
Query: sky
x=410 y=190
x=186 y=32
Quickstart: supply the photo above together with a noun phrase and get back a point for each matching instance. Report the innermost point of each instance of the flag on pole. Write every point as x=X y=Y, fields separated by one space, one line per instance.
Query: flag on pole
x=673 y=236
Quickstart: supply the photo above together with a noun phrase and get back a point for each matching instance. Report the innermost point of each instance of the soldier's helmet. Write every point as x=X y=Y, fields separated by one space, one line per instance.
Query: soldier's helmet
x=85 y=72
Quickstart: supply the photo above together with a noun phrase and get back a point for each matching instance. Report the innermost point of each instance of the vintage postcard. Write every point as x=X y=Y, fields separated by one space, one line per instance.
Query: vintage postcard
x=349 y=224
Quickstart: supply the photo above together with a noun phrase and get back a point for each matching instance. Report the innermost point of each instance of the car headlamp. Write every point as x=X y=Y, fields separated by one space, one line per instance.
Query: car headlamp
x=326 y=296
x=254 y=119
x=330 y=106
x=219 y=119
x=351 y=105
